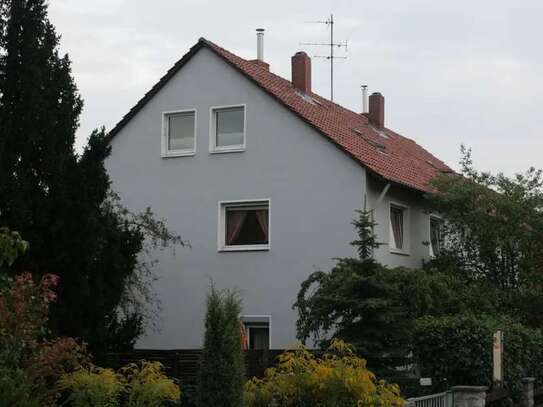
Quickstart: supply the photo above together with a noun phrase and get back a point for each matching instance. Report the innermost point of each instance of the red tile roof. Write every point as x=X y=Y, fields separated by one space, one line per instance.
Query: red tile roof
x=382 y=151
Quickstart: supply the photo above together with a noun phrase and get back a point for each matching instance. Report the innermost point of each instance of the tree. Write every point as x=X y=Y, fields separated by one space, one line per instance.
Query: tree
x=60 y=201
x=373 y=307
x=222 y=369
x=492 y=226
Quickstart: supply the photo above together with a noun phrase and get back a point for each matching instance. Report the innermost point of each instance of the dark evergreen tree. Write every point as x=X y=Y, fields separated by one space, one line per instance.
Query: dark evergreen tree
x=60 y=201
x=222 y=370
x=373 y=306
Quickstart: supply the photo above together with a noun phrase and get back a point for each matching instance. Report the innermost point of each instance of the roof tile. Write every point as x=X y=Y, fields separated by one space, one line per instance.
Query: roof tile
x=394 y=157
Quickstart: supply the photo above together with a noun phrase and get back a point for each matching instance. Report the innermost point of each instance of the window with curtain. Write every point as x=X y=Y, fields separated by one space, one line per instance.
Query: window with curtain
x=397 y=226
x=246 y=224
x=179 y=131
x=228 y=128
x=435 y=236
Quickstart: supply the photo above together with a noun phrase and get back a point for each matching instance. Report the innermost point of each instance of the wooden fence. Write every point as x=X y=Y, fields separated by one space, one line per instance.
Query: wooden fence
x=183 y=364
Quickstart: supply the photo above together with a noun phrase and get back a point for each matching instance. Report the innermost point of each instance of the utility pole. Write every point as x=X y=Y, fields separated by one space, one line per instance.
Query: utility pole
x=330 y=23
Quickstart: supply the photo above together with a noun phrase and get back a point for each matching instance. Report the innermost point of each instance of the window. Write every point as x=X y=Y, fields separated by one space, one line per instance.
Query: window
x=257 y=331
x=244 y=225
x=399 y=237
x=179 y=133
x=435 y=236
x=227 y=129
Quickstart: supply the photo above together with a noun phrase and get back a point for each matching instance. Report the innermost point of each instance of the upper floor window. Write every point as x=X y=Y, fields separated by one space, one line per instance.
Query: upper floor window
x=244 y=225
x=179 y=133
x=399 y=233
x=227 y=129
x=435 y=236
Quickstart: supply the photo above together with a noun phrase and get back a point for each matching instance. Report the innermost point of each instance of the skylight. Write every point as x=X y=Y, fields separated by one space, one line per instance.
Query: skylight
x=375 y=144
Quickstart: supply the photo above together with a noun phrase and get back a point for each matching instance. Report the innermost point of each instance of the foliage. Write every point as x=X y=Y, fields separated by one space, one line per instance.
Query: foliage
x=26 y=354
x=493 y=226
x=148 y=386
x=337 y=379
x=458 y=349
x=373 y=307
x=16 y=389
x=95 y=387
x=136 y=385
x=60 y=201
x=11 y=246
x=366 y=241
x=221 y=375
x=54 y=358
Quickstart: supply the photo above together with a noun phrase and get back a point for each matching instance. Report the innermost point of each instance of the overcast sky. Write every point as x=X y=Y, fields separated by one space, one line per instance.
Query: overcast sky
x=463 y=71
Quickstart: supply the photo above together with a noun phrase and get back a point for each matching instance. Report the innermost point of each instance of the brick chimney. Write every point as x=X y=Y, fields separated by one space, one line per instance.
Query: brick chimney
x=301 y=72
x=376 y=113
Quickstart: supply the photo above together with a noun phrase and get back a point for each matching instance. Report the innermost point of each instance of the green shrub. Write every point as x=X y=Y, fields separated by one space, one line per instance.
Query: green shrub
x=95 y=387
x=338 y=379
x=459 y=349
x=17 y=390
x=222 y=375
x=148 y=386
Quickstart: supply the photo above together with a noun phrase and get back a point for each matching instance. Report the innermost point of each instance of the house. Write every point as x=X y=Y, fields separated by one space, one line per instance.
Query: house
x=263 y=177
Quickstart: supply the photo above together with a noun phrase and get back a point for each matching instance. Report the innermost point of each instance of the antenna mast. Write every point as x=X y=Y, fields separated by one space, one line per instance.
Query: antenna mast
x=329 y=22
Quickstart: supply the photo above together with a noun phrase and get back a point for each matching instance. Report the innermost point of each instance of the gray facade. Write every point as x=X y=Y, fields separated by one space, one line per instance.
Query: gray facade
x=313 y=189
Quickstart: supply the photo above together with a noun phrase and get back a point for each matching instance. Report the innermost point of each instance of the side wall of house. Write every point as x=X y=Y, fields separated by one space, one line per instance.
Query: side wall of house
x=418 y=222
x=314 y=189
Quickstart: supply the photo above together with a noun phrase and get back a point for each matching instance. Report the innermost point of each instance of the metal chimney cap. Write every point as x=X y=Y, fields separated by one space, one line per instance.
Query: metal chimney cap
x=259 y=30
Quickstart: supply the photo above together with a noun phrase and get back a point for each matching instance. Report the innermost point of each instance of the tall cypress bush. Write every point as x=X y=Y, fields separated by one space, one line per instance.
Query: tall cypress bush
x=222 y=370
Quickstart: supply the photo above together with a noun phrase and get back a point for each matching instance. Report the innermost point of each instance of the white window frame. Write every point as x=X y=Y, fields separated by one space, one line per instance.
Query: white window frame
x=166 y=153
x=406 y=250
x=440 y=220
x=221 y=235
x=213 y=148
x=246 y=320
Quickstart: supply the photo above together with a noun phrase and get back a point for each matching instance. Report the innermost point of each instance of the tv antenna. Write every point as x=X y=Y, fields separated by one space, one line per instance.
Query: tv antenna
x=330 y=23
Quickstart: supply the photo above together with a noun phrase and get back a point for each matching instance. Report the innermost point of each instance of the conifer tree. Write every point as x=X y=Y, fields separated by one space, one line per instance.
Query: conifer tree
x=60 y=201
x=222 y=370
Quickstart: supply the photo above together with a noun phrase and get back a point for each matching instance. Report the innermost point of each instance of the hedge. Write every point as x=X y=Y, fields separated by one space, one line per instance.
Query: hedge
x=458 y=349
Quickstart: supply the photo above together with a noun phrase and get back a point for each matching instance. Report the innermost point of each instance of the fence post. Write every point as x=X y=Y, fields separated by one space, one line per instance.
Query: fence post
x=469 y=396
x=527 y=397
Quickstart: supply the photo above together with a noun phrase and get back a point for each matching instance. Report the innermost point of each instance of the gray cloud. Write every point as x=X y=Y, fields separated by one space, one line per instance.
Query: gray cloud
x=452 y=72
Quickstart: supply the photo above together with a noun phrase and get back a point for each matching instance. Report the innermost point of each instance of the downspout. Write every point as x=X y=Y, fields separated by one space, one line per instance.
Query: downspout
x=383 y=193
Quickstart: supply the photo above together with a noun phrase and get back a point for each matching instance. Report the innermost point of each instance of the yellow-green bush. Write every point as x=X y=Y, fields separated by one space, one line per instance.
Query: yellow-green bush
x=339 y=378
x=92 y=387
x=136 y=385
x=148 y=386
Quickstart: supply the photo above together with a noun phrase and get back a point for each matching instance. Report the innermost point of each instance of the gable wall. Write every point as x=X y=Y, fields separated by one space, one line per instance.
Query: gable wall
x=313 y=186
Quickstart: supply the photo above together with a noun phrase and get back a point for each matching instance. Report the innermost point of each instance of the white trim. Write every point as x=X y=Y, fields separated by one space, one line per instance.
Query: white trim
x=406 y=250
x=221 y=227
x=269 y=320
x=213 y=148
x=165 y=153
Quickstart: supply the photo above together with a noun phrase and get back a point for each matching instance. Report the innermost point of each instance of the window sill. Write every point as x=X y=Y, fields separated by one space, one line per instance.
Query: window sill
x=227 y=150
x=254 y=248
x=400 y=252
x=173 y=154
